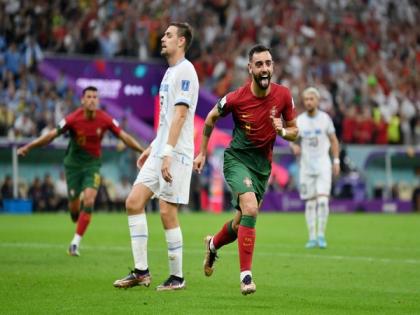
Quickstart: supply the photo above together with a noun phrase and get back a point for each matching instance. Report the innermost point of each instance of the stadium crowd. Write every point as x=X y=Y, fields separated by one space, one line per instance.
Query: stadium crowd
x=363 y=56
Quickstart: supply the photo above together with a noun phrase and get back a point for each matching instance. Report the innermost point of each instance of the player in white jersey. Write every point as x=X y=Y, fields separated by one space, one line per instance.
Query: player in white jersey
x=166 y=165
x=316 y=138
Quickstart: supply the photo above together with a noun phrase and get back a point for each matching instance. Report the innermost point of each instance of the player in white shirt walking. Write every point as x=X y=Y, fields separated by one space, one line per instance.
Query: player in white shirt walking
x=166 y=165
x=316 y=137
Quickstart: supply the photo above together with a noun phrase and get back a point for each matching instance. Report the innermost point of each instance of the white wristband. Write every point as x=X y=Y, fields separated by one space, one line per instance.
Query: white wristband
x=283 y=132
x=336 y=161
x=168 y=150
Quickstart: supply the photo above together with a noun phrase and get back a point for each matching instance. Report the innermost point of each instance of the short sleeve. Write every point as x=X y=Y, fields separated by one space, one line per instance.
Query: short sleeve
x=64 y=125
x=224 y=105
x=330 y=125
x=114 y=126
x=289 y=111
x=185 y=89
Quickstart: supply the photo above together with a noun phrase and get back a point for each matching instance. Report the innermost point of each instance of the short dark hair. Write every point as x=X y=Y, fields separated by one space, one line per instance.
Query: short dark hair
x=89 y=88
x=184 y=30
x=257 y=49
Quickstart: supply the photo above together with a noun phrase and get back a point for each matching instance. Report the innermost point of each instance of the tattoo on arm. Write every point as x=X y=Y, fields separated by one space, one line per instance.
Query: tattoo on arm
x=207 y=130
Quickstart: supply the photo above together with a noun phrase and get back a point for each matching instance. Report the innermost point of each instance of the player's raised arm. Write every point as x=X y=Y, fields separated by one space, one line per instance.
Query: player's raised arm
x=288 y=132
x=38 y=142
x=130 y=141
x=292 y=130
x=209 y=124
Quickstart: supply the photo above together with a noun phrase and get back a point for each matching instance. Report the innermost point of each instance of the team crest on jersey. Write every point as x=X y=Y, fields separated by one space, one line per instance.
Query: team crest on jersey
x=185 y=85
x=98 y=131
x=247 y=182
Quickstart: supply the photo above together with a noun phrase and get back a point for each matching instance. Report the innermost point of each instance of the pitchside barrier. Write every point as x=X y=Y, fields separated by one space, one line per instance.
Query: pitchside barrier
x=377 y=178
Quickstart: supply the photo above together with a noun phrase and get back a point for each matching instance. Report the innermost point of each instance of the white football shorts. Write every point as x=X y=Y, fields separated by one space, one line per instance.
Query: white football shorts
x=178 y=191
x=311 y=186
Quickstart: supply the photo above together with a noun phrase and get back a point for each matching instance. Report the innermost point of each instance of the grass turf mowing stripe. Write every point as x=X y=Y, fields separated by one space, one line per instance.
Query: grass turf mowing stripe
x=228 y=252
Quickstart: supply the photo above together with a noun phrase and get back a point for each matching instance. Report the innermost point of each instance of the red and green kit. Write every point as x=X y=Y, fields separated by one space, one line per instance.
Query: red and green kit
x=83 y=155
x=247 y=161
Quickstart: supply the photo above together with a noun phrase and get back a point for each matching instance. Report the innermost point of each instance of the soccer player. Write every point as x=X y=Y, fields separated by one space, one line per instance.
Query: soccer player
x=166 y=163
x=86 y=126
x=258 y=108
x=316 y=137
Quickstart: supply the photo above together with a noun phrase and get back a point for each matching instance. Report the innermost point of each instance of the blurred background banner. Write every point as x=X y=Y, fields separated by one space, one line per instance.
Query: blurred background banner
x=130 y=84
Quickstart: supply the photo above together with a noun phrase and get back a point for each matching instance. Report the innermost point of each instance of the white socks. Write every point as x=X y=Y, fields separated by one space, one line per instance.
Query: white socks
x=76 y=240
x=174 y=241
x=139 y=235
x=323 y=211
x=310 y=216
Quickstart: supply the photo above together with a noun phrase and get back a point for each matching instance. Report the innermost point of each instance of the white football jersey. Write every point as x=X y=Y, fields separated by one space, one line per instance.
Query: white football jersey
x=179 y=85
x=314 y=134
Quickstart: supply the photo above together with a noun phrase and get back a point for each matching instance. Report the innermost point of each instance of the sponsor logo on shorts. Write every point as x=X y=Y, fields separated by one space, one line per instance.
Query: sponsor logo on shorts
x=247 y=182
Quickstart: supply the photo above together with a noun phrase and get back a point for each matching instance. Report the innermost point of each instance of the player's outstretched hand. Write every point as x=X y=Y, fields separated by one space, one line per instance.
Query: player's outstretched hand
x=22 y=151
x=166 y=165
x=199 y=162
x=143 y=157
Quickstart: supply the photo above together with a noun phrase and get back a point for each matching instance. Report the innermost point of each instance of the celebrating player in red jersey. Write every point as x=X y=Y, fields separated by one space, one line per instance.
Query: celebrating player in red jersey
x=87 y=126
x=258 y=111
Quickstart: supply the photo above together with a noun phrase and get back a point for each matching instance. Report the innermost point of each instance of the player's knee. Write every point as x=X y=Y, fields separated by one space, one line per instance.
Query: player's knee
x=88 y=202
x=235 y=226
x=133 y=205
x=250 y=210
x=322 y=201
x=130 y=204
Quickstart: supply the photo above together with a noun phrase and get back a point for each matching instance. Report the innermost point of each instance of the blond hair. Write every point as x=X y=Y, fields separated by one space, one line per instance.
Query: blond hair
x=312 y=90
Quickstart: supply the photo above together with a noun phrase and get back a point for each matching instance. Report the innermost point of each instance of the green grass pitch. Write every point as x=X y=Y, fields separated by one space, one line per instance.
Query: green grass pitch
x=372 y=266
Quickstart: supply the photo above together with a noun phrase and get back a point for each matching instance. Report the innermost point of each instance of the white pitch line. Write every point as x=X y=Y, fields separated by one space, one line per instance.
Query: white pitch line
x=409 y=261
x=362 y=247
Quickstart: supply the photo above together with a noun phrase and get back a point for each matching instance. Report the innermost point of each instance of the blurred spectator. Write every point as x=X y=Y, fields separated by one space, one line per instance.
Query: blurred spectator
x=357 y=53
x=6 y=119
x=36 y=194
x=7 y=188
x=394 y=133
x=364 y=128
x=349 y=125
x=24 y=126
x=33 y=54
x=48 y=193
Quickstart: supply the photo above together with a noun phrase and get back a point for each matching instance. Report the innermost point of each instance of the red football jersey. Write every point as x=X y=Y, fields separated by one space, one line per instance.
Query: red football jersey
x=87 y=134
x=251 y=114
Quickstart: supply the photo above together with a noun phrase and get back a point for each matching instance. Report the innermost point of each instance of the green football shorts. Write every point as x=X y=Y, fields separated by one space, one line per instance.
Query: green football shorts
x=241 y=179
x=79 y=178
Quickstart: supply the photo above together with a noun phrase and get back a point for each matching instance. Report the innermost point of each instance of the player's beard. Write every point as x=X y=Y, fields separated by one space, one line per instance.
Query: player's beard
x=263 y=83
